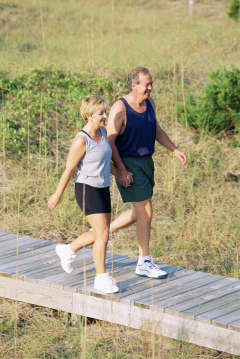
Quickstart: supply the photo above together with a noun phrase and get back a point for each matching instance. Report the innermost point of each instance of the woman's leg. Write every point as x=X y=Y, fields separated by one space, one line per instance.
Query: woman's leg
x=84 y=240
x=100 y=224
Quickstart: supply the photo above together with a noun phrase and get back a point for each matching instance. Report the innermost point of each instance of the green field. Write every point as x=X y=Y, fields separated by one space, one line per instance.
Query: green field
x=51 y=55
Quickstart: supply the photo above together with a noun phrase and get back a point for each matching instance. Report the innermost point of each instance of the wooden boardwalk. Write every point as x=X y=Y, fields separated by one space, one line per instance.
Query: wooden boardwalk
x=196 y=307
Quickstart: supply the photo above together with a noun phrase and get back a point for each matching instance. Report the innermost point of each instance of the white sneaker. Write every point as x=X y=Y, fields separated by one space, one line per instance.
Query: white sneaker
x=106 y=284
x=66 y=257
x=150 y=269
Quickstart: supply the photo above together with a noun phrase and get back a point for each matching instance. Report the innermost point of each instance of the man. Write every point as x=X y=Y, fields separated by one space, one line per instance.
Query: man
x=132 y=130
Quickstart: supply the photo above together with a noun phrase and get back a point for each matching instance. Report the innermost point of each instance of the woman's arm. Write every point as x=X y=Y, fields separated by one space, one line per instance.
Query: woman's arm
x=113 y=170
x=76 y=153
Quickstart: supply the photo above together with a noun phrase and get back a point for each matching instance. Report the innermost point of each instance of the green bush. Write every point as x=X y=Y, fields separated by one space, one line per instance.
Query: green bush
x=234 y=9
x=41 y=106
x=217 y=109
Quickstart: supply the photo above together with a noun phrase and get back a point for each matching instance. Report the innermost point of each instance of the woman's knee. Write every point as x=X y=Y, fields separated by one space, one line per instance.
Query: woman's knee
x=102 y=234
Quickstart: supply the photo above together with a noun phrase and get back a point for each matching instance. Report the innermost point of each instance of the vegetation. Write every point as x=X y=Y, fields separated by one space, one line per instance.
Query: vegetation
x=42 y=333
x=52 y=54
x=41 y=101
x=234 y=9
x=218 y=108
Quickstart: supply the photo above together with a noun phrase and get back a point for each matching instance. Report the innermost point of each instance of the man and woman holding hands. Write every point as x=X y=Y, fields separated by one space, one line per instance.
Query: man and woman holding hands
x=125 y=150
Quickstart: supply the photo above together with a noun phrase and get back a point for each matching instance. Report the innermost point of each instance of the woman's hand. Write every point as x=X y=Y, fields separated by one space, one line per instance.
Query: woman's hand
x=125 y=178
x=53 y=201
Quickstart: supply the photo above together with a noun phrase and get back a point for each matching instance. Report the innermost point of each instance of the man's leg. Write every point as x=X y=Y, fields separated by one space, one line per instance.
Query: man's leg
x=145 y=265
x=144 y=212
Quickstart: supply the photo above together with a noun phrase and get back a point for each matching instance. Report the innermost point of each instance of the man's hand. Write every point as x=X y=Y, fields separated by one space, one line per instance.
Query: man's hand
x=125 y=178
x=181 y=155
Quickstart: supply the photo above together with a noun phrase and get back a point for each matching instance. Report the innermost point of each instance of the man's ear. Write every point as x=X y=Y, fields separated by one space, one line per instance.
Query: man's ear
x=133 y=85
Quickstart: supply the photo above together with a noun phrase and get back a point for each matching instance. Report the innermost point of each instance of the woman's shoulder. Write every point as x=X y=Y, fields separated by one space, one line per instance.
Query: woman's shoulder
x=80 y=138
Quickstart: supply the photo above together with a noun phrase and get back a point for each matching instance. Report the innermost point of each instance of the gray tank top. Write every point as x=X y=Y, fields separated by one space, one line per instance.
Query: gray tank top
x=94 y=167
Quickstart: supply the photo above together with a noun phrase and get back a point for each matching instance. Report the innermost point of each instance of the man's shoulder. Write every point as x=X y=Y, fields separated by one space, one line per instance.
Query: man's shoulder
x=152 y=102
x=118 y=105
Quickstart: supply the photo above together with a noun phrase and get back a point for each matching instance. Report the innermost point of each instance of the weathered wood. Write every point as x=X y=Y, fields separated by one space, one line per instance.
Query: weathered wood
x=26 y=247
x=197 y=307
x=26 y=257
x=235 y=325
x=198 y=295
x=202 y=303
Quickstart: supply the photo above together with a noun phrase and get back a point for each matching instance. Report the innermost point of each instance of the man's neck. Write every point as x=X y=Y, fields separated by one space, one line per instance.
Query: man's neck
x=133 y=98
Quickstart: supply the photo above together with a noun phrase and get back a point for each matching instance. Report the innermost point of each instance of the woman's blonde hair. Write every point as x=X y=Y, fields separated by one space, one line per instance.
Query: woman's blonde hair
x=90 y=104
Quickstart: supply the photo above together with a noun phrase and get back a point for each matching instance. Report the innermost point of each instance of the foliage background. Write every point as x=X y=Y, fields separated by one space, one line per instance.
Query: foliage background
x=51 y=54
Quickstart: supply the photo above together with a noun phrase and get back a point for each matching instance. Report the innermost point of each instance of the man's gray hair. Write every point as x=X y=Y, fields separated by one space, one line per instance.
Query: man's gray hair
x=133 y=76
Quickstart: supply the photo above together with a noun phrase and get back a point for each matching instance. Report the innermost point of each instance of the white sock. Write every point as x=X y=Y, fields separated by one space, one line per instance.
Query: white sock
x=101 y=275
x=142 y=259
x=70 y=250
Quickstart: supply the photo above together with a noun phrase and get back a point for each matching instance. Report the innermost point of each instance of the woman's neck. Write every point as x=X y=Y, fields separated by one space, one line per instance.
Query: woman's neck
x=94 y=133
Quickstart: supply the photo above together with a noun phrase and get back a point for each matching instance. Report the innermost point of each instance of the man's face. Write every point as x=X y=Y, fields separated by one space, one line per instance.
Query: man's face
x=145 y=86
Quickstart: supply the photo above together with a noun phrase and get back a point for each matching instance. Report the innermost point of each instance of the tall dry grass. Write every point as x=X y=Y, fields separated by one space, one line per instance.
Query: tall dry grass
x=42 y=333
x=196 y=211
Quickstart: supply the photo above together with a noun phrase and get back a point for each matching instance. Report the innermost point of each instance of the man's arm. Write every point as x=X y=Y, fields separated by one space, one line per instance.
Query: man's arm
x=165 y=141
x=115 y=122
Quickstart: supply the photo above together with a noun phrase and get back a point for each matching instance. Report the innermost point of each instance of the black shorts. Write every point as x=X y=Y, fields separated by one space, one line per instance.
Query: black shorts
x=97 y=200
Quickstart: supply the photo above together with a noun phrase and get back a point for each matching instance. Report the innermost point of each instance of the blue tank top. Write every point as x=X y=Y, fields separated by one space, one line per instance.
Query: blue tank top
x=138 y=137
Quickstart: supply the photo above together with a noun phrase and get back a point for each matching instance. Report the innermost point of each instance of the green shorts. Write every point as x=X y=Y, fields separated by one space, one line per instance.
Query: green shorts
x=142 y=169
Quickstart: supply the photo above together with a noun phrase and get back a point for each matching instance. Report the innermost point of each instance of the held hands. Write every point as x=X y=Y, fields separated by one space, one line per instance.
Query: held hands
x=181 y=155
x=125 y=178
x=53 y=201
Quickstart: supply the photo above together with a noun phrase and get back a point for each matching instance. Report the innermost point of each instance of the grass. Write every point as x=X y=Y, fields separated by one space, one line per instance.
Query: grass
x=101 y=340
x=196 y=210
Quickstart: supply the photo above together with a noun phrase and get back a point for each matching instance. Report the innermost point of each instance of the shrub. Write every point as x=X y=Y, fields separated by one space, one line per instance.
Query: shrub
x=218 y=107
x=234 y=9
x=41 y=106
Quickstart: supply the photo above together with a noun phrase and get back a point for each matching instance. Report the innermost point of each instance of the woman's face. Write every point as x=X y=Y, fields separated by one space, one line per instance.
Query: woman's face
x=99 y=117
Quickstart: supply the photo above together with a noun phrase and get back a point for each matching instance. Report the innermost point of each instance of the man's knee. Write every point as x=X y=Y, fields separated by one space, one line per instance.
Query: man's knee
x=143 y=210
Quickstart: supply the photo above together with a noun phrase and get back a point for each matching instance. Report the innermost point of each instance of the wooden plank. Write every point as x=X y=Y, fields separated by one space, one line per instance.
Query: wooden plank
x=77 y=280
x=24 y=248
x=39 y=271
x=11 y=239
x=12 y=245
x=200 y=304
x=195 y=291
x=223 y=294
x=46 y=270
x=32 y=263
x=213 y=313
x=226 y=318
x=21 y=257
x=194 y=297
x=163 y=286
x=77 y=265
x=5 y=236
x=36 y=294
x=235 y=325
x=182 y=285
x=160 y=323
x=121 y=313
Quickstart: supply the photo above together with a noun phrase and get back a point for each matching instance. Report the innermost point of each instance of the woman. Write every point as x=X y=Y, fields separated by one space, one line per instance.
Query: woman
x=91 y=153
